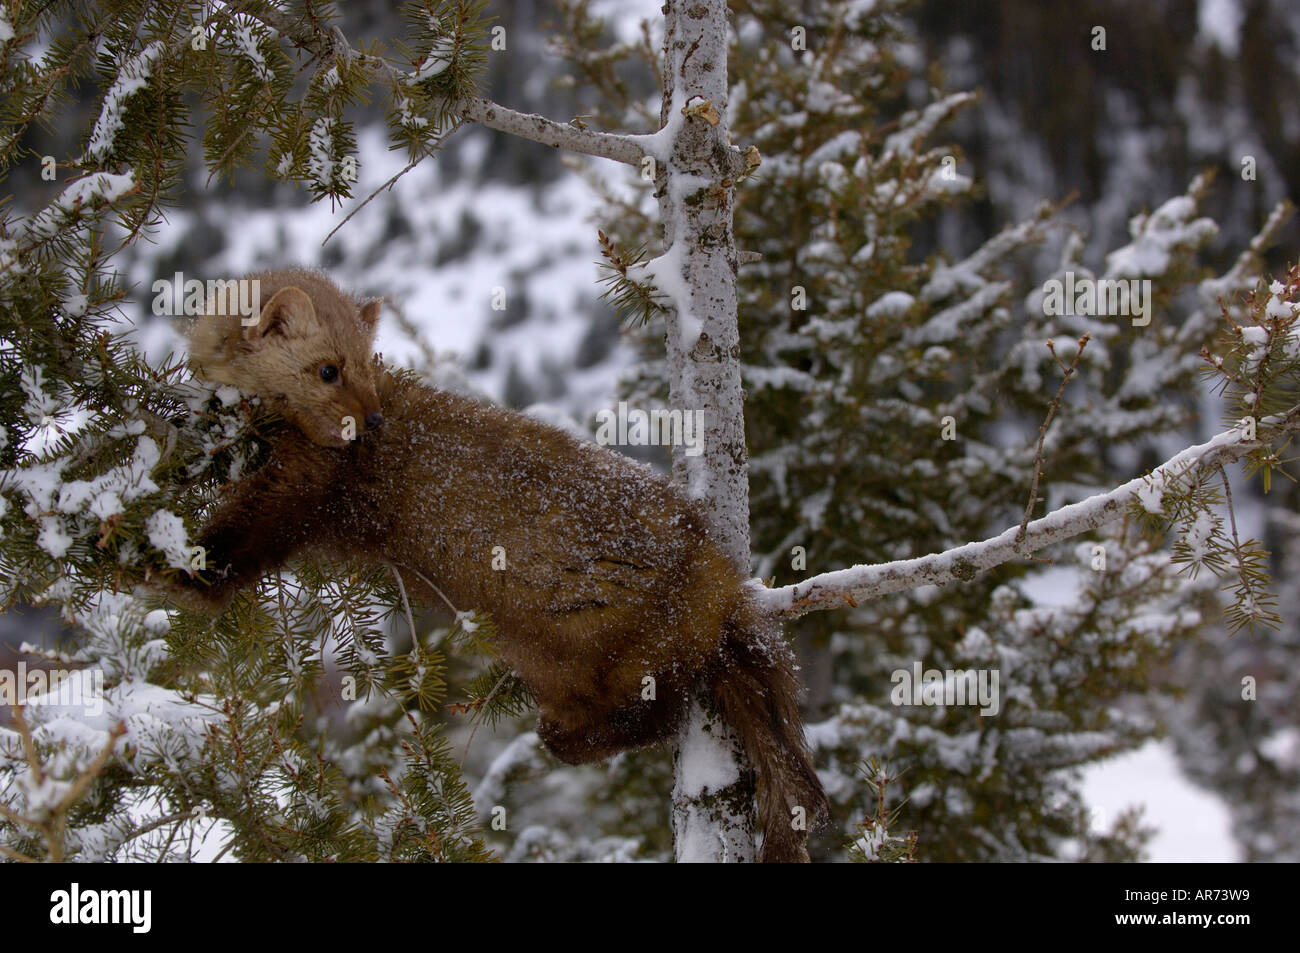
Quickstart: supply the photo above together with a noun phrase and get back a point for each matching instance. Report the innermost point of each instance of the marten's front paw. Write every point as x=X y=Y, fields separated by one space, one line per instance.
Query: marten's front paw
x=205 y=593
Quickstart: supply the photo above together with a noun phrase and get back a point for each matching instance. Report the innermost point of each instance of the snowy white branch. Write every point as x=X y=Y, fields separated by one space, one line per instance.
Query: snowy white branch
x=843 y=587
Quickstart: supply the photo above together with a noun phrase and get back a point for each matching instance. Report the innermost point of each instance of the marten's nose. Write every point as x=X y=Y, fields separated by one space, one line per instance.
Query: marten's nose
x=374 y=421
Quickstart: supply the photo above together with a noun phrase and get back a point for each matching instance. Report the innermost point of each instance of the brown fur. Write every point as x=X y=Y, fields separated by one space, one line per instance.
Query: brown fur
x=611 y=573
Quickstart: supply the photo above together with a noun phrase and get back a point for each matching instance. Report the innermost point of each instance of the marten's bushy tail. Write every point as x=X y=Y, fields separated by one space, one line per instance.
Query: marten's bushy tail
x=757 y=692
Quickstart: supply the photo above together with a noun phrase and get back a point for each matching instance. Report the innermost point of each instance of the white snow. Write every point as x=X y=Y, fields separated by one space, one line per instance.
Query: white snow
x=1282 y=747
x=1219 y=22
x=1157 y=236
x=76 y=195
x=665 y=273
x=105 y=505
x=1192 y=824
x=245 y=40
x=74 y=306
x=405 y=115
x=167 y=534
x=320 y=144
x=523 y=751
x=53 y=537
x=892 y=304
x=1151 y=496
x=157 y=622
x=707 y=766
x=436 y=60
x=1197 y=536
x=229 y=396
x=39 y=405
x=132 y=76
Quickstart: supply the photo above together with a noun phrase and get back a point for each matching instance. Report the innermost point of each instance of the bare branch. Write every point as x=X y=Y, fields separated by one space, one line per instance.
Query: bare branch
x=834 y=590
x=387 y=185
x=1042 y=431
x=406 y=604
x=157 y=823
x=442 y=595
x=550 y=133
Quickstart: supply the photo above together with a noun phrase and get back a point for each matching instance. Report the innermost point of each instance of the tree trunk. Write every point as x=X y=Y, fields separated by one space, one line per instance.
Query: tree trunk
x=713 y=816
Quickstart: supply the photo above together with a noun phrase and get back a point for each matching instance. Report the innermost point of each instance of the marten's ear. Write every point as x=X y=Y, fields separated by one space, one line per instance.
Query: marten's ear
x=370 y=316
x=289 y=310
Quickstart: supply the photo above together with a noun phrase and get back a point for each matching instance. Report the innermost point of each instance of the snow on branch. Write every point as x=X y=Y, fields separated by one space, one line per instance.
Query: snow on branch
x=833 y=590
x=523 y=752
x=132 y=76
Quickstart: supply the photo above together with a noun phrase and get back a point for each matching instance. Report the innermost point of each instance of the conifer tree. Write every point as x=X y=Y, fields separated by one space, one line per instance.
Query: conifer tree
x=804 y=167
x=894 y=405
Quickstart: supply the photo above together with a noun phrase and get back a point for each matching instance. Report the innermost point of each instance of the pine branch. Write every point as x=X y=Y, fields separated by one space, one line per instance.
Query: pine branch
x=834 y=590
x=51 y=821
x=1252 y=597
x=873 y=842
x=634 y=301
x=477 y=109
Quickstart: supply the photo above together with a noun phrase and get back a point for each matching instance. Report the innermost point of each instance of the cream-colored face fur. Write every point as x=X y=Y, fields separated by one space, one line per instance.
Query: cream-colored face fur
x=308 y=360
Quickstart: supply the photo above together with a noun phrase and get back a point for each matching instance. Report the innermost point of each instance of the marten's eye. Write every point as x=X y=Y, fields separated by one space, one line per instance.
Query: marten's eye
x=329 y=373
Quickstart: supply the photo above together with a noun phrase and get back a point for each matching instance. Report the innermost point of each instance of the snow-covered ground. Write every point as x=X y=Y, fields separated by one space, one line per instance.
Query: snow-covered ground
x=1192 y=824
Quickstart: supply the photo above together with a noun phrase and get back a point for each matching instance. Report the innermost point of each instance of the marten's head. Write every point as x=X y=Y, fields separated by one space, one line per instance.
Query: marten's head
x=308 y=355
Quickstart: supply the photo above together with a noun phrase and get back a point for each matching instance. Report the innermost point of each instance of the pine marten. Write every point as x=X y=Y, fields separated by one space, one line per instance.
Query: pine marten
x=610 y=574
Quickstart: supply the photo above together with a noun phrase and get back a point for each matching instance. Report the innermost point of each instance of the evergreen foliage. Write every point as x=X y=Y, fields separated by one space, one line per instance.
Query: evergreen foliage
x=862 y=341
x=220 y=729
x=210 y=727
